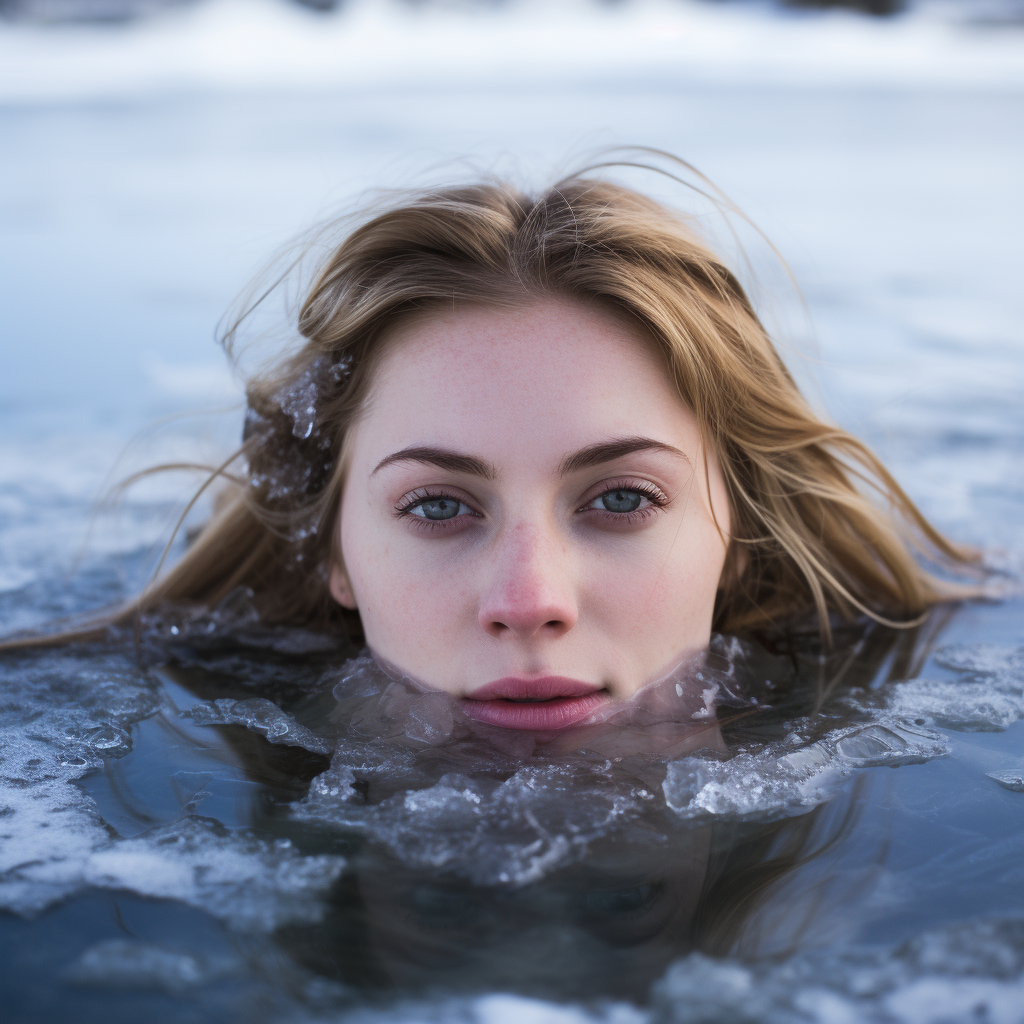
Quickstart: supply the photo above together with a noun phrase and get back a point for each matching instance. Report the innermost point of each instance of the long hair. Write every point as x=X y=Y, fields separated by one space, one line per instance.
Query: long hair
x=818 y=524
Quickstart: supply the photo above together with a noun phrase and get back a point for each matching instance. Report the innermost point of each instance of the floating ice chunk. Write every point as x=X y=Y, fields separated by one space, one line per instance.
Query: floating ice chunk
x=889 y=745
x=952 y=1000
x=377 y=705
x=959 y=704
x=330 y=788
x=989 y=696
x=126 y=964
x=772 y=783
x=512 y=1009
x=1009 y=778
x=47 y=830
x=494 y=832
x=964 y=973
x=985 y=658
x=426 y=719
x=64 y=713
x=240 y=878
x=237 y=877
x=360 y=677
x=749 y=784
x=259 y=715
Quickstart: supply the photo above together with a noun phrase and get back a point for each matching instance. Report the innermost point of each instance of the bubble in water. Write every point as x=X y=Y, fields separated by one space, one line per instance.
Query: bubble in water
x=109 y=741
x=870 y=744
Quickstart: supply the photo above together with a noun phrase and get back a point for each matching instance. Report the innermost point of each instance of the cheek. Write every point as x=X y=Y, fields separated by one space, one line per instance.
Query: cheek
x=405 y=593
x=664 y=591
x=363 y=553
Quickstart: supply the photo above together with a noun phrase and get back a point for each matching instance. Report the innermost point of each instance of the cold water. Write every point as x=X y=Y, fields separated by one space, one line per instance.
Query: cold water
x=209 y=820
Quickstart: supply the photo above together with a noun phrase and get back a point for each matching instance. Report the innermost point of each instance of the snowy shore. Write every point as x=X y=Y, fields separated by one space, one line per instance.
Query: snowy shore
x=263 y=45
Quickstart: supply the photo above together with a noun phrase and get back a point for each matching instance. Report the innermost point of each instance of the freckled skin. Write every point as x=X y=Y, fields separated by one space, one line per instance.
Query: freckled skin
x=534 y=575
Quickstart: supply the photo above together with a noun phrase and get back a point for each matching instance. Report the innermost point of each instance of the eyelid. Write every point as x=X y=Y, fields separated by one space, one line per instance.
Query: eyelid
x=645 y=487
x=412 y=498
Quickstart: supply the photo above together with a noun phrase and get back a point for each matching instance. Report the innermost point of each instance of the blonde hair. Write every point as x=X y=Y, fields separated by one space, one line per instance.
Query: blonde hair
x=806 y=533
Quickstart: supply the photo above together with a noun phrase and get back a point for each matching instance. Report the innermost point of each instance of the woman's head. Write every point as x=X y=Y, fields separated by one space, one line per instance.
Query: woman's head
x=546 y=434
x=525 y=497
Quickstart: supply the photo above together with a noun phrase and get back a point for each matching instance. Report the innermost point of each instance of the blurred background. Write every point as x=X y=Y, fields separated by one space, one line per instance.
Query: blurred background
x=155 y=153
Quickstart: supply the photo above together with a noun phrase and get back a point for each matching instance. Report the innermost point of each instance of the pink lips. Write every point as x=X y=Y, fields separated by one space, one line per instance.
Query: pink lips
x=538 y=705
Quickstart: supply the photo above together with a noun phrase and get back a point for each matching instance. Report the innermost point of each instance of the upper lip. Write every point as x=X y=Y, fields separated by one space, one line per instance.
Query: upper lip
x=537 y=689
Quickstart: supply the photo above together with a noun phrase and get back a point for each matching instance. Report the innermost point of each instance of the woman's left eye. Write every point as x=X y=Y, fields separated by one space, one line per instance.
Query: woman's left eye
x=437 y=509
x=620 y=499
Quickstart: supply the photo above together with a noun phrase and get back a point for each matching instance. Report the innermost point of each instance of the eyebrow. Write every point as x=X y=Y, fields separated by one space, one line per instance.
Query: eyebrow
x=608 y=451
x=445 y=458
x=592 y=455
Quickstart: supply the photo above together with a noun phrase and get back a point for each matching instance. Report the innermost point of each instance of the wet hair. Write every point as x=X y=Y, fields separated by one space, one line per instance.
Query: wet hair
x=818 y=523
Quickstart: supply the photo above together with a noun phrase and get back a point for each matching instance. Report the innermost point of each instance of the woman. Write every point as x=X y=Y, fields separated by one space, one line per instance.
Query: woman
x=534 y=449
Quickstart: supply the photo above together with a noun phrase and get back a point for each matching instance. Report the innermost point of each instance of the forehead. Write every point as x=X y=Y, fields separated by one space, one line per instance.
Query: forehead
x=552 y=370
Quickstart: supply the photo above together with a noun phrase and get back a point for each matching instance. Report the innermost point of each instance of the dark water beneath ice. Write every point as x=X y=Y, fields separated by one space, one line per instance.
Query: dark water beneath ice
x=187 y=834
x=215 y=821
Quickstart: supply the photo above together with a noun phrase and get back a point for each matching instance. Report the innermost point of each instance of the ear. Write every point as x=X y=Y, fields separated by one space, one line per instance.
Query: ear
x=340 y=588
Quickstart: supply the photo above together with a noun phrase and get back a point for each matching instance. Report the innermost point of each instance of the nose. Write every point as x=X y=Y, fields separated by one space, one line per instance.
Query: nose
x=529 y=594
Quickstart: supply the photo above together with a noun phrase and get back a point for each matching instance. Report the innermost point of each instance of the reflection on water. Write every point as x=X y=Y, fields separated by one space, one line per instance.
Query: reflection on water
x=242 y=817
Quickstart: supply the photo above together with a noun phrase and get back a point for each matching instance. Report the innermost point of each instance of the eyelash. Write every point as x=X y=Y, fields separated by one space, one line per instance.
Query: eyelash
x=654 y=495
x=403 y=510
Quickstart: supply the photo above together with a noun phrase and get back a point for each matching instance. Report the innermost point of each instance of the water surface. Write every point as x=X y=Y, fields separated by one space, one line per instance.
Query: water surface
x=233 y=823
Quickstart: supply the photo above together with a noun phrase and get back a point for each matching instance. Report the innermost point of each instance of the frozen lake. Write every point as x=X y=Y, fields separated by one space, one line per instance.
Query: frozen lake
x=148 y=171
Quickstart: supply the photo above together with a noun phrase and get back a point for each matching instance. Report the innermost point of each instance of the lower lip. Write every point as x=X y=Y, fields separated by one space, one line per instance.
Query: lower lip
x=540 y=716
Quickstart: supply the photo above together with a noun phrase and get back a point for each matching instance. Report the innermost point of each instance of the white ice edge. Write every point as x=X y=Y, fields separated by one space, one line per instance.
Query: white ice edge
x=246 y=46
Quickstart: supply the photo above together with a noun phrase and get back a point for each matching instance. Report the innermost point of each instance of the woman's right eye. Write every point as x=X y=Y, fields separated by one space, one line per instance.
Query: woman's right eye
x=439 y=508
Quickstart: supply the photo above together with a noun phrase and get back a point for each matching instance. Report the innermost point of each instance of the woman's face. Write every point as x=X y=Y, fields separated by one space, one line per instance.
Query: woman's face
x=526 y=522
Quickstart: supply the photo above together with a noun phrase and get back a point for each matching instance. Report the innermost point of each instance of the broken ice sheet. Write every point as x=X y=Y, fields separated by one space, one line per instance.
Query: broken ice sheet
x=968 y=705
x=966 y=972
x=64 y=710
x=259 y=715
x=988 y=696
x=1009 y=778
x=781 y=780
x=251 y=883
x=548 y=810
x=493 y=832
